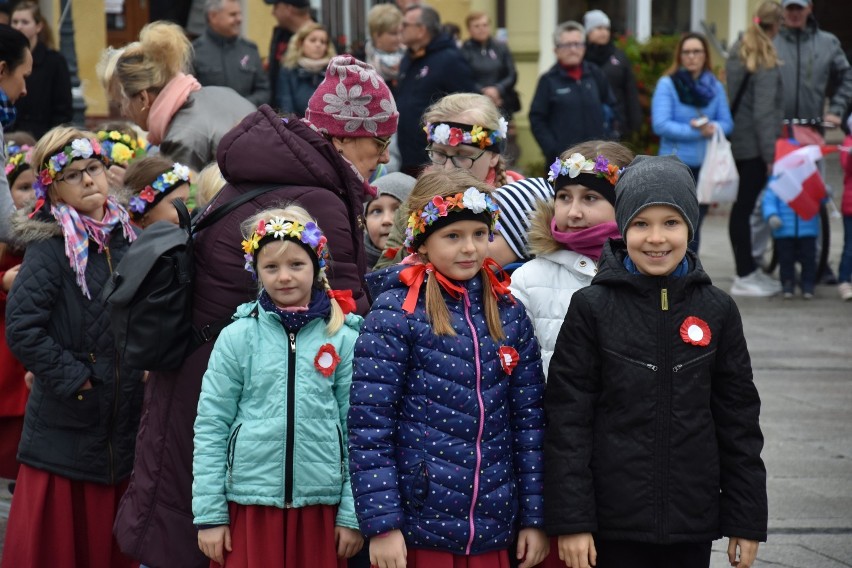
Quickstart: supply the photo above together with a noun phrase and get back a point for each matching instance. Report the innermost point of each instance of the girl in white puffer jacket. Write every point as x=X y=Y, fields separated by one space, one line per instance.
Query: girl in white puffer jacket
x=568 y=234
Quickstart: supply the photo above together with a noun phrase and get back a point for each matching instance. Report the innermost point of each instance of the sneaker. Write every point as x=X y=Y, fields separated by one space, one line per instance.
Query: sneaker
x=808 y=295
x=755 y=286
x=788 y=295
x=845 y=291
x=768 y=279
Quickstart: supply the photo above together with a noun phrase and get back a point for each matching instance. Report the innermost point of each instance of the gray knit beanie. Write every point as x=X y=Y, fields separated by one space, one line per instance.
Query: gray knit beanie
x=595 y=19
x=655 y=180
x=395 y=184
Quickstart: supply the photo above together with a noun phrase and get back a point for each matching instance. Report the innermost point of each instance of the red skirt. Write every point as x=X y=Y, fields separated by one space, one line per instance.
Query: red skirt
x=422 y=558
x=282 y=538
x=57 y=522
x=552 y=560
x=10 y=437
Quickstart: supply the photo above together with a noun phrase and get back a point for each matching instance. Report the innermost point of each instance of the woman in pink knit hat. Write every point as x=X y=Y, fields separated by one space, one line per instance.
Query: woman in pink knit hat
x=321 y=162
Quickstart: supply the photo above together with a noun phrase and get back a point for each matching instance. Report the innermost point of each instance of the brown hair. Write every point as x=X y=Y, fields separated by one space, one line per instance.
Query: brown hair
x=473 y=16
x=45 y=36
x=676 y=65
x=448 y=183
x=613 y=151
x=144 y=172
x=294 y=48
x=757 y=49
x=293 y=212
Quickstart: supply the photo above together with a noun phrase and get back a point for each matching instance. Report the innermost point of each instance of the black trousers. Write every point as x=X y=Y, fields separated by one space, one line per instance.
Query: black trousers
x=752 y=181
x=792 y=250
x=628 y=554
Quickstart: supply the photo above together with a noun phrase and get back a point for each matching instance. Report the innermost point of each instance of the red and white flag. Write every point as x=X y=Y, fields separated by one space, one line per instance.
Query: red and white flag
x=795 y=176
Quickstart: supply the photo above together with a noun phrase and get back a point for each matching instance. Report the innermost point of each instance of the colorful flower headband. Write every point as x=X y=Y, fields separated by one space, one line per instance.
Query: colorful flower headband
x=453 y=134
x=164 y=183
x=16 y=157
x=279 y=228
x=120 y=148
x=578 y=164
x=79 y=149
x=472 y=200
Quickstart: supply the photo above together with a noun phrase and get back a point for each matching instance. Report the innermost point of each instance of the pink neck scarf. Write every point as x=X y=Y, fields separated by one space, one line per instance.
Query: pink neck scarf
x=588 y=242
x=168 y=102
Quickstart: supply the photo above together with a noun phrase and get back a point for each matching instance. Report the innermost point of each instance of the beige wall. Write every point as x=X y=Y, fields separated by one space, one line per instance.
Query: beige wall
x=89 y=41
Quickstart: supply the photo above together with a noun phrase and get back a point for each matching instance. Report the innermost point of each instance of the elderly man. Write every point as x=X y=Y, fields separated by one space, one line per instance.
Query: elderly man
x=224 y=58
x=432 y=67
x=290 y=15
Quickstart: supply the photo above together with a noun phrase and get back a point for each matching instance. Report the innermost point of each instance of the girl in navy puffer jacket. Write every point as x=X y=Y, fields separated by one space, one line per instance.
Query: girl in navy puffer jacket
x=446 y=418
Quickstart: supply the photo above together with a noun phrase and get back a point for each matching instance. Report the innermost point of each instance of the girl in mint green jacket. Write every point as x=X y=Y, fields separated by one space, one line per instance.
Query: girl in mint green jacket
x=271 y=468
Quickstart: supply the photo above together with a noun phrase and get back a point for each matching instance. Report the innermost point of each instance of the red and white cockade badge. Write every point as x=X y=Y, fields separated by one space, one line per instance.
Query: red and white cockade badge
x=508 y=358
x=695 y=331
x=326 y=360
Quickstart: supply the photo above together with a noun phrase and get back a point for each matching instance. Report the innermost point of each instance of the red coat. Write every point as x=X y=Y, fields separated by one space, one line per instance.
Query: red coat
x=154 y=521
x=13 y=390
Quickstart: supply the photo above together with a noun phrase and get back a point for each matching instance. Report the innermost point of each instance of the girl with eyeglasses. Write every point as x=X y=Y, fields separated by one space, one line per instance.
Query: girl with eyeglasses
x=689 y=104
x=80 y=425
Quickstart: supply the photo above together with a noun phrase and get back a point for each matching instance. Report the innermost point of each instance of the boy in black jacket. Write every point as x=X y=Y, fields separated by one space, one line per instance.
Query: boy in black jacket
x=653 y=443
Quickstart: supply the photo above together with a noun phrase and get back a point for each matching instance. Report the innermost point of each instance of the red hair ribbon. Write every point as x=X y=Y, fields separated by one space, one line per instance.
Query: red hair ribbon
x=344 y=300
x=499 y=285
x=38 y=205
x=413 y=277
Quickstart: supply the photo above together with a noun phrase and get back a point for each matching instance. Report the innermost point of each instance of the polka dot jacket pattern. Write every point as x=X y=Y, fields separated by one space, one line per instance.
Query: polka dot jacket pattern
x=420 y=421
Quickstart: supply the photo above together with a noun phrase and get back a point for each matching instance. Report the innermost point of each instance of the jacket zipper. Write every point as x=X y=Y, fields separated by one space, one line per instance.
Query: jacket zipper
x=340 y=445
x=291 y=422
x=664 y=299
x=232 y=452
x=691 y=362
x=642 y=364
x=481 y=420
x=663 y=421
x=116 y=390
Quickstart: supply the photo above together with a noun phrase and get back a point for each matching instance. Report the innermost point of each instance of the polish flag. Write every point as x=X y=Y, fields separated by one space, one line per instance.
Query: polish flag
x=795 y=176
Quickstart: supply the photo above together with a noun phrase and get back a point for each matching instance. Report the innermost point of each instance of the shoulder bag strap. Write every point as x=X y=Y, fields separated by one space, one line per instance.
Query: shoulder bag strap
x=740 y=93
x=216 y=215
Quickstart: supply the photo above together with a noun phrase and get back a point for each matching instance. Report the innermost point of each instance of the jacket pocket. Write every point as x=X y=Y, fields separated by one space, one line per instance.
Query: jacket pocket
x=79 y=411
x=636 y=362
x=340 y=446
x=232 y=452
x=415 y=487
x=680 y=367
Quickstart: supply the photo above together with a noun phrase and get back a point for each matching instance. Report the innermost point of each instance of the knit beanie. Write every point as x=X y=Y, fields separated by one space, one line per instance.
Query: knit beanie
x=595 y=19
x=352 y=101
x=395 y=184
x=655 y=180
x=517 y=201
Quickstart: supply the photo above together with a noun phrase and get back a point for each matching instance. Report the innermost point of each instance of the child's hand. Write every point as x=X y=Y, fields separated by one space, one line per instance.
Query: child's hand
x=748 y=552
x=533 y=547
x=388 y=550
x=212 y=541
x=9 y=277
x=348 y=541
x=29 y=379
x=578 y=550
x=774 y=222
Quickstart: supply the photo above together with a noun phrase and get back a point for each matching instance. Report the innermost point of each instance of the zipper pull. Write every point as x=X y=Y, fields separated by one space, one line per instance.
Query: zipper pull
x=664 y=299
x=292 y=342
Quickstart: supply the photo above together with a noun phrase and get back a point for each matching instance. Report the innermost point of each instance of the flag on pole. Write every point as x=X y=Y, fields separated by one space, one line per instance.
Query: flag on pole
x=795 y=176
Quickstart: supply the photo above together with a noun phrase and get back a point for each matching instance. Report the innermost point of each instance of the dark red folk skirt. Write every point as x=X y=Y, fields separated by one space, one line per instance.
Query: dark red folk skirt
x=57 y=522
x=10 y=436
x=282 y=538
x=421 y=558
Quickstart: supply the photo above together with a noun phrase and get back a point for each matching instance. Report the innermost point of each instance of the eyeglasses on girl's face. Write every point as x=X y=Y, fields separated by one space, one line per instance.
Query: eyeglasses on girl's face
x=462 y=162
x=74 y=177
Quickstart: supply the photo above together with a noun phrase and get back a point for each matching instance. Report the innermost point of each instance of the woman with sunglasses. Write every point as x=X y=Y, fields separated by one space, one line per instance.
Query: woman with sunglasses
x=689 y=104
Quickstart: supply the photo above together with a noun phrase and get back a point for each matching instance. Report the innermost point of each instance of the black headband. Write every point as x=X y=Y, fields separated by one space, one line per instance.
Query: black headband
x=269 y=237
x=591 y=181
x=449 y=219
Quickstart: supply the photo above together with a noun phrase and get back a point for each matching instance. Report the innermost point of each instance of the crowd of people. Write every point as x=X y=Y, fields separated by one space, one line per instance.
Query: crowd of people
x=407 y=353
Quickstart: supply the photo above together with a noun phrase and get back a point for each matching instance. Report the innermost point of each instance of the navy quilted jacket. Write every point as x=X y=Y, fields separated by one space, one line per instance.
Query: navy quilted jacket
x=444 y=445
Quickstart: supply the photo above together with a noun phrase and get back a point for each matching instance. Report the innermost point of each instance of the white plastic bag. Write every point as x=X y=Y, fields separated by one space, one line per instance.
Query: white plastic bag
x=718 y=179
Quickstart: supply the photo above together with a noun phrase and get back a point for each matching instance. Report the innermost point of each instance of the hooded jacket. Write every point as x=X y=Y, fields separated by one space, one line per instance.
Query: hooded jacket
x=440 y=71
x=545 y=284
x=154 y=521
x=66 y=339
x=792 y=225
x=243 y=453
x=652 y=438
x=444 y=445
x=813 y=59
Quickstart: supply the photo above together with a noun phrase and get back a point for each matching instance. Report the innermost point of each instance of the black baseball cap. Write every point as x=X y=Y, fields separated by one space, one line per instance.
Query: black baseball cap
x=296 y=3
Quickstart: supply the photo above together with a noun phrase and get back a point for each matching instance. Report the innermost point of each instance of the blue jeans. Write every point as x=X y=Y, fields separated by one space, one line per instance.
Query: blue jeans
x=845 y=273
x=792 y=250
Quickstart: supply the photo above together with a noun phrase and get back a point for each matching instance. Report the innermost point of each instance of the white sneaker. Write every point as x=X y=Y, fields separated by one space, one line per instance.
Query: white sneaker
x=755 y=286
x=845 y=291
x=770 y=281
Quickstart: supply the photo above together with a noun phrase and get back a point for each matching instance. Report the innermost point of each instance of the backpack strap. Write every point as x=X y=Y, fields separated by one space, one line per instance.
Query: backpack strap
x=205 y=220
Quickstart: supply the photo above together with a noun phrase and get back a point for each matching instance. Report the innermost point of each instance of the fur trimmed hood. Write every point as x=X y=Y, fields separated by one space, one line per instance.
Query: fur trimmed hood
x=41 y=227
x=541 y=240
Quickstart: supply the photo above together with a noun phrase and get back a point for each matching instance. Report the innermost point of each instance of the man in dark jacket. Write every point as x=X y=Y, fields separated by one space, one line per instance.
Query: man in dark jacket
x=225 y=59
x=290 y=16
x=573 y=101
x=432 y=67
x=601 y=51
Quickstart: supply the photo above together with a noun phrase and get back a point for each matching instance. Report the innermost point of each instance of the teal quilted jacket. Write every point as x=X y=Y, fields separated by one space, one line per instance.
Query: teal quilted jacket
x=271 y=428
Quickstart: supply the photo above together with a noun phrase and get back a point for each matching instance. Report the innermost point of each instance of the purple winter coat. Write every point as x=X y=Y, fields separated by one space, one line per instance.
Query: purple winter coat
x=154 y=520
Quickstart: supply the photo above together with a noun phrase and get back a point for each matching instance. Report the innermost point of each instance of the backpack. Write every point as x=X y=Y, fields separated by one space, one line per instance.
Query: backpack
x=149 y=295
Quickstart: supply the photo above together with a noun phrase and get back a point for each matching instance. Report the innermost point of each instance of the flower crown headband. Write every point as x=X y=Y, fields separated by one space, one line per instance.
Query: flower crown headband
x=79 y=149
x=453 y=134
x=474 y=203
x=308 y=235
x=601 y=174
x=152 y=193
x=17 y=157
x=120 y=148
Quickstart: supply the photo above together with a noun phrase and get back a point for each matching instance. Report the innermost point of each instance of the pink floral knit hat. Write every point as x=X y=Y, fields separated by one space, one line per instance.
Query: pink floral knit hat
x=353 y=101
